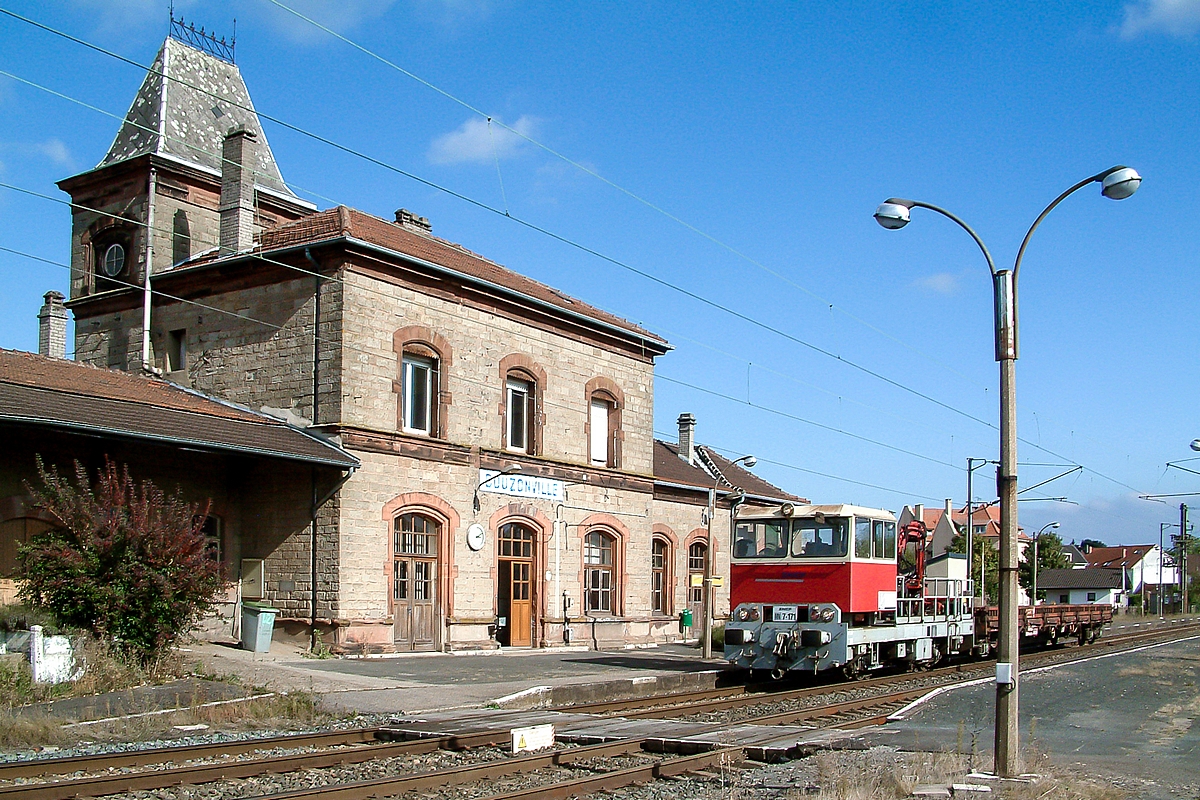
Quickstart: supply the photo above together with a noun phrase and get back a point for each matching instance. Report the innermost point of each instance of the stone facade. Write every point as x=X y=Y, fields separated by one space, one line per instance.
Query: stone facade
x=400 y=561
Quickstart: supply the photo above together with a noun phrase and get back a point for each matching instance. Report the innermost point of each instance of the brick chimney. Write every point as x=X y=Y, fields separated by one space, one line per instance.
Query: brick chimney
x=52 y=326
x=237 y=191
x=687 y=437
x=407 y=219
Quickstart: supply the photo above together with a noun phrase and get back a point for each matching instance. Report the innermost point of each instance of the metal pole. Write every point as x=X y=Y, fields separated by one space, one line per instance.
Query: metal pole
x=970 y=524
x=1160 y=560
x=706 y=623
x=1183 y=576
x=1007 y=755
x=1033 y=589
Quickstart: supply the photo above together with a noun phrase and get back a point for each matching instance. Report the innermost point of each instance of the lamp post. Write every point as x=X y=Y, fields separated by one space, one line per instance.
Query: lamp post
x=1117 y=183
x=1036 y=537
x=1162 y=526
x=707 y=610
x=511 y=469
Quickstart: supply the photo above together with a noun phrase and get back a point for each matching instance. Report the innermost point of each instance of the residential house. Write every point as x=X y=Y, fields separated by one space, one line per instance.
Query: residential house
x=1140 y=566
x=1092 y=585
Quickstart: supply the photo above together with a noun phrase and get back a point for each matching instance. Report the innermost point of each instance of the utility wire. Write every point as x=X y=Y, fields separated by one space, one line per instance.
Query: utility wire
x=534 y=227
x=527 y=224
x=627 y=192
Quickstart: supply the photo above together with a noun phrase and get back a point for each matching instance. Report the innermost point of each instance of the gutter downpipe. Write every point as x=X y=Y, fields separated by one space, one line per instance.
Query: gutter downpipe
x=312 y=536
x=146 y=295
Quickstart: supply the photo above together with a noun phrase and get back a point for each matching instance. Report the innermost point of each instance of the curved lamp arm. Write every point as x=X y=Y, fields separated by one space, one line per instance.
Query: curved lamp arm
x=910 y=204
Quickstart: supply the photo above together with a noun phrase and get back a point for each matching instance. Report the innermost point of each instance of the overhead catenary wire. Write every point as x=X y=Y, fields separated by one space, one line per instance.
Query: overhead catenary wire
x=565 y=240
x=558 y=237
x=622 y=189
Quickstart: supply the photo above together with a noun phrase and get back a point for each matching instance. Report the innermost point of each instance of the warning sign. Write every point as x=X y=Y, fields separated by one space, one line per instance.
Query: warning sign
x=535 y=737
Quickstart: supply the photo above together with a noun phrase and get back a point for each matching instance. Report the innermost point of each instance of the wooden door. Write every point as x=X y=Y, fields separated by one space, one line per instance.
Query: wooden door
x=515 y=590
x=414 y=583
x=520 y=605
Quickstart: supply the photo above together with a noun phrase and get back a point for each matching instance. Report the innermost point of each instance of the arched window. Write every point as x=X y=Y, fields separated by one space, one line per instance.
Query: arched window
x=418 y=389
x=600 y=573
x=660 y=566
x=523 y=381
x=696 y=554
x=415 y=535
x=520 y=410
x=604 y=436
x=181 y=238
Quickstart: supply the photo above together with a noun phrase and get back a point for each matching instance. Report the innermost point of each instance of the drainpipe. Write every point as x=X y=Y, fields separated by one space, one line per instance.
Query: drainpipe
x=316 y=365
x=146 y=297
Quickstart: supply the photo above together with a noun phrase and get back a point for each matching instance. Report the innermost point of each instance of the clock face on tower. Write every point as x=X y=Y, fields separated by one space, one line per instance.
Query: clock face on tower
x=476 y=536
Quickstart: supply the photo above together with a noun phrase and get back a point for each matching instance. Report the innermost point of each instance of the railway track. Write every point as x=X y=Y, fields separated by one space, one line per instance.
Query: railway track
x=108 y=774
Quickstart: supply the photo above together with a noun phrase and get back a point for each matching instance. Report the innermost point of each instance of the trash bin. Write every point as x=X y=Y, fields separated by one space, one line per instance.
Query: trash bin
x=685 y=618
x=258 y=623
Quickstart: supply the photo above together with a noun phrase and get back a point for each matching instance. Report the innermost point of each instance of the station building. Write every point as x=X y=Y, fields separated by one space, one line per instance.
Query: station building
x=509 y=490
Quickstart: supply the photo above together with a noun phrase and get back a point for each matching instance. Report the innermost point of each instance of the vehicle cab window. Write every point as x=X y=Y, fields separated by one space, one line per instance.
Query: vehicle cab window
x=760 y=539
x=819 y=539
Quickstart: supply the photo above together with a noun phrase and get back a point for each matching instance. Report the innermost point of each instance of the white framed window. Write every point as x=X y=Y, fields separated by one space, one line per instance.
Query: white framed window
x=598 y=574
x=600 y=435
x=418 y=388
x=519 y=408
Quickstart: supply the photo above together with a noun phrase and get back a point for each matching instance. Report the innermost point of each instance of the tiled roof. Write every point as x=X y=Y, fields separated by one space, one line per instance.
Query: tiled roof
x=343 y=221
x=1079 y=579
x=1117 y=557
x=187 y=116
x=668 y=466
x=38 y=390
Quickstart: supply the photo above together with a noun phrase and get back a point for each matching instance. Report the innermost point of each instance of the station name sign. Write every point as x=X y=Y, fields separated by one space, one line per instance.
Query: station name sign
x=517 y=485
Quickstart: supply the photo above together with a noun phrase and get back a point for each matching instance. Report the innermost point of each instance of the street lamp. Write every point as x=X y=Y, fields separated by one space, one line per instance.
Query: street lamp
x=1036 y=536
x=707 y=609
x=511 y=469
x=1117 y=183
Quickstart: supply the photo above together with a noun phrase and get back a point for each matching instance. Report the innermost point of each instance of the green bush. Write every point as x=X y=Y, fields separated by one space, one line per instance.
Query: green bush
x=17 y=617
x=126 y=562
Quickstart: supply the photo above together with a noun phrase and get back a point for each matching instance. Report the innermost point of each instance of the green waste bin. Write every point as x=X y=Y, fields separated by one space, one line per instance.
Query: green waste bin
x=258 y=624
x=685 y=618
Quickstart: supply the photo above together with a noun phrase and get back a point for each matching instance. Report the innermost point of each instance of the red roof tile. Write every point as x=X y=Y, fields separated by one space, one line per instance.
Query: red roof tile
x=343 y=221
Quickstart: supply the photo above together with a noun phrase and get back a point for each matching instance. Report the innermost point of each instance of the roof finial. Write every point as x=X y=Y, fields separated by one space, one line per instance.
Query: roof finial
x=201 y=40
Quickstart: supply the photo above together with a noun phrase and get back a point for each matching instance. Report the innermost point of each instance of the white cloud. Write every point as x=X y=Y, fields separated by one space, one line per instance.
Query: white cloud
x=1179 y=18
x=54 y=150
x=939 y=283
x=343 y=16
x=473 y=142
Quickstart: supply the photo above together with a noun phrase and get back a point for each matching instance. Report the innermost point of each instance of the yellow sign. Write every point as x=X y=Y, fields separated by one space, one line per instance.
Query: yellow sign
x=718 y=580
x=696 y=579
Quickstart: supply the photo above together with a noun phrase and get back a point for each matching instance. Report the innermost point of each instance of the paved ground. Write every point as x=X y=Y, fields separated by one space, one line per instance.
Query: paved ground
x=430 y=681
x=1129 y=717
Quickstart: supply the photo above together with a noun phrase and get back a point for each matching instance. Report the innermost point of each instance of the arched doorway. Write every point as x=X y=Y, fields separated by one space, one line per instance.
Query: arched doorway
x=414 y=581
x=515 y=571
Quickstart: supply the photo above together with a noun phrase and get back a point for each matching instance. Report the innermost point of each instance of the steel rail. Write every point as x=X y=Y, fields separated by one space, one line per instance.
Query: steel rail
x=158 y=755
x=619 y=779
x=98 y=786
x=398 y=784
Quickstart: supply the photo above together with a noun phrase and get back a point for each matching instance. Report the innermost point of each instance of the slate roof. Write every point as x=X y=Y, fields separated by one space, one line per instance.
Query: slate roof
x=342 y=221
x=1117 y=557
x=1090 y=578
x=669 y=467
x=36 y=390
x=186 y=116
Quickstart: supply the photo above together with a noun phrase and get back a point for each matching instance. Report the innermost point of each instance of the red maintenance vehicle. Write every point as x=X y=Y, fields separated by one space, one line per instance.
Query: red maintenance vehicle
x=819 y=587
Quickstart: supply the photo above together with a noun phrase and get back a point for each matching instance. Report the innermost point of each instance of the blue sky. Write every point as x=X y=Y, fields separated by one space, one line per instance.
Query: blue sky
x=743 y=148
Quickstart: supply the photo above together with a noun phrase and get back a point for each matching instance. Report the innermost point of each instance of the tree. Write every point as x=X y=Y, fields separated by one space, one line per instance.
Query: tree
x=1050 y=555
x=1086 y=543
x=987 y=556
x=126 y=562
